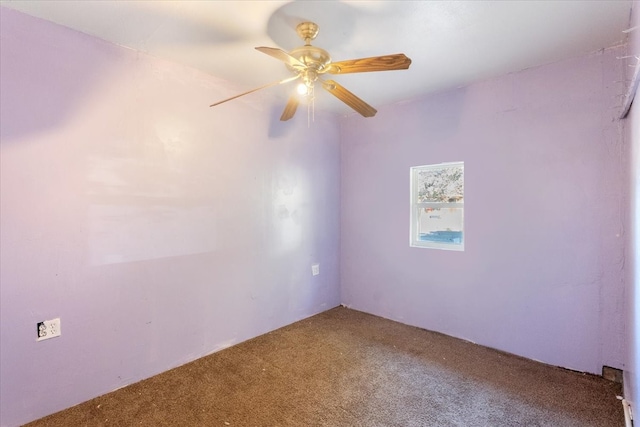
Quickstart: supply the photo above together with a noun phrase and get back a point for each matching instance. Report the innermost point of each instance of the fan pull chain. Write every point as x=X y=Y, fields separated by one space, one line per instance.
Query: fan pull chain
x=311 y=107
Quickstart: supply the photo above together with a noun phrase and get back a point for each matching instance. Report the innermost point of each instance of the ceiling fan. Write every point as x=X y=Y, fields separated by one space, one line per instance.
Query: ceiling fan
x=308 y=64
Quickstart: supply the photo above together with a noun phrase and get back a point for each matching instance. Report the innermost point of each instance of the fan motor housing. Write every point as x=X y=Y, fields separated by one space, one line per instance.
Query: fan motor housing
x=312 y=57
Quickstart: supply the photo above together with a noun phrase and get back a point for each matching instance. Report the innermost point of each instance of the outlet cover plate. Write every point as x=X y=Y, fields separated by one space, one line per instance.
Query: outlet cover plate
x=48 y=329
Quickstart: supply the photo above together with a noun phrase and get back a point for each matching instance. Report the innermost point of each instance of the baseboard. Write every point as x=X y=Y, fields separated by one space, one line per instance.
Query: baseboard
x=628 y=412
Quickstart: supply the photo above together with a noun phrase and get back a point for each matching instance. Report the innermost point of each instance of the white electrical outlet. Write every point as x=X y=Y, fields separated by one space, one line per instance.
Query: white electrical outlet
x=315 y=269
x=48 y=329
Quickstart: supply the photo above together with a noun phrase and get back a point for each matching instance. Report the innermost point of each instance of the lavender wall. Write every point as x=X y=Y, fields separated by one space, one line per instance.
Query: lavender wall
x=159 y=230
x=542 y=271
x=632 y=124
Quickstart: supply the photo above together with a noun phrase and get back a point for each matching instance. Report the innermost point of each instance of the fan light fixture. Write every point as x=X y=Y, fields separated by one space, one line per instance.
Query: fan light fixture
x=301 y=89
x=309 y=63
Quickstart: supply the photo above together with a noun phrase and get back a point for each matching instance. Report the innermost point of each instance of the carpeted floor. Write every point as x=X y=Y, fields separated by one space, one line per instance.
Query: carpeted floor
x=346 y=368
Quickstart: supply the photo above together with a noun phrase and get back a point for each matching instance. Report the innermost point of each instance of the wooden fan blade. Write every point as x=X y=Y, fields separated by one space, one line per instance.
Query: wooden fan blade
x=279 y=82
x=349 y=98
x=282 y=56
x=377 y=63
x=290 y=109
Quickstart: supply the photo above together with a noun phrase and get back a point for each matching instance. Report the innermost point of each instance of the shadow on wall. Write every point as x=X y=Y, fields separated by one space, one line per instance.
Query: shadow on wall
x=104 y=154
x=41 y=93
x=423 y=117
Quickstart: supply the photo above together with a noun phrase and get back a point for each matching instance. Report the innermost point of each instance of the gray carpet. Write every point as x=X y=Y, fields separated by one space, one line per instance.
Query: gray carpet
x=346 y=368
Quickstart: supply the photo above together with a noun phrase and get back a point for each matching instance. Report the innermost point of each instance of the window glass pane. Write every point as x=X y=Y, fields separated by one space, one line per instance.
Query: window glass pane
x=443 y=184
x=440 y=225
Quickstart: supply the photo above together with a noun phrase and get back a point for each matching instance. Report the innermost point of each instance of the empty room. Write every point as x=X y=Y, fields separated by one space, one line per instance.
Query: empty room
x=319 y=213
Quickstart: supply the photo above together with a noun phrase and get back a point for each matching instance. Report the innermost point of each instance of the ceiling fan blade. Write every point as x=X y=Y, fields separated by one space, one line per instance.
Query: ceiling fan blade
x=290 y=109
x=377 y=63
x=349 y=98
x=282 y=56
x=288 y=79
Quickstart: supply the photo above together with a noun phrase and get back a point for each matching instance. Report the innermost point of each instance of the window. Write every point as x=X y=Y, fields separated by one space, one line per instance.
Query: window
x=437 y=206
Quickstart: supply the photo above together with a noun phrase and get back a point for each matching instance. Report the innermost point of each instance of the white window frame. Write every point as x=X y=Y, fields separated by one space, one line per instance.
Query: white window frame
x=414 y=241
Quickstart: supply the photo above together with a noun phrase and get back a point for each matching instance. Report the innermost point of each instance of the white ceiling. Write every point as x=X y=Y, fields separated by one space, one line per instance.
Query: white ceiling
x=451 y=43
